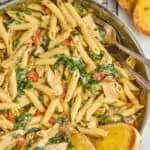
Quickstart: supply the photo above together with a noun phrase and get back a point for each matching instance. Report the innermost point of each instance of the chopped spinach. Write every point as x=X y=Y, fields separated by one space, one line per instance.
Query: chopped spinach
x=96 y=57
x=85 y=79
x=75 y=33
x=62 y=121
x=45 y=41
x=22 y=121
x=19 y=15
x=11 y=22
x=32 y=130
x=39 y=148
x=81 y=10
x=41 y=97
x=102 y=34
x=22 y=81
x=109 y=70
x=16 y=43
x=60 y=138
x=27 y=11
x=105 y=119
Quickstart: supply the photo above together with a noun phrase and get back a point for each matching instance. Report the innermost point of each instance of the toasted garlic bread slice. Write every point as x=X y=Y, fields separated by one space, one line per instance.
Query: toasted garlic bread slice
x=126 y=4
x=81 y=142
x=141 y=16
x=120 y=137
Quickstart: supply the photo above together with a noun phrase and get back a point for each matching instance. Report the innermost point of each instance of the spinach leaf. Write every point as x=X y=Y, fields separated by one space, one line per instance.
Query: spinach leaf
x=96 y=57
x=85 y=79
x=105 y=119
x=22 y=81
x=45 y=41
x=28 y=11
x=39 y=148
x=41 y=97
x=75 y=33
x=110 y=70
x=58 y=138
x=22 y=121
x=32 y=130
x=16 y=43
x=102 y=34
x=19 y=15
x=11 y=22
x=62 y=121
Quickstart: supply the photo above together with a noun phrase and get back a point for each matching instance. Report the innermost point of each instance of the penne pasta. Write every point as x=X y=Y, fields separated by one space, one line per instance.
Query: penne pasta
x=72 y=86
x=35 y=100
x=50 y=110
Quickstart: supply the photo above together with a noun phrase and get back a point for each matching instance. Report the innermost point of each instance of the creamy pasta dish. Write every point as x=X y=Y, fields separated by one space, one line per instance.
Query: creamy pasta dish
x=57 y=78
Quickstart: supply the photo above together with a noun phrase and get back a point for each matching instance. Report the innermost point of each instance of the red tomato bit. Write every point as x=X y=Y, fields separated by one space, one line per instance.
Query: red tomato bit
x=52 y=120
x=33 y=75
x=68 y=41
x=37 y=38
x=20 y=143
x=38 y=113
x=98 y=75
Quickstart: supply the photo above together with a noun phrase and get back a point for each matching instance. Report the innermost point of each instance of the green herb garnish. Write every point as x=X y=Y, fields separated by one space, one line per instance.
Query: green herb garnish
x=85 y=79
x=16 y=43
x=59 y=138
x=11 y=22
x=33 y=130
x=22 y=81
x=45 y=41
x=105 y=119
x=22 y=121
x=96 y=57
x=109 y=70
x=75 y=33
x=62 y=121
x=28 y=11
x=102 y=34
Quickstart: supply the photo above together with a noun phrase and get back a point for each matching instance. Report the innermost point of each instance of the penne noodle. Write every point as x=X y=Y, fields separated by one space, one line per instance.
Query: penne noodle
x=76 y=106
x=44 y=89
x=93 y=108
x=9 y=105
x=54 y=82
x=55 y=52
x=45 y=61
x=34 y=100
x=13 y=83
x=72 y=86
x=83 y=110
x=56 y=11
x=52 y=27
x=23 y=26
x=94 y=132
x=50 y=110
